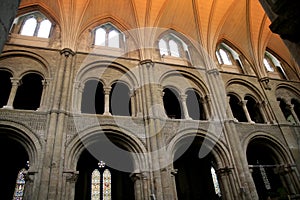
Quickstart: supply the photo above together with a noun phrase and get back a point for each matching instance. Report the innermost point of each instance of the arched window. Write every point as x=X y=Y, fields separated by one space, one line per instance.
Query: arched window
x=101 y=184
x=109 y=36
x=215 y=181
x=34 y=24
x=5 y=87
x=29 y=27
x=225 y=59
x=174 y=51
x=171 y=45
x=163 y=47
x=20 y=184
x=44 y=29
x=29 y=92
x=272 y=64
x=286 y=110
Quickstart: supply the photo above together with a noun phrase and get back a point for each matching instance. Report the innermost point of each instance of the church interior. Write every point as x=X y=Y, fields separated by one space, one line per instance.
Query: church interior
x=150 y=100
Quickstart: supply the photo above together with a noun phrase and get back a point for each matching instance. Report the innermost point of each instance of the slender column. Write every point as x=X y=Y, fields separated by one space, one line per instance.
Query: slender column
x=78 y=100
x=243 y=103
x=291 y=108
x=263 y=114
x=184 y=106
x=106 y=100
x=45 y=84
x=133 y=102
x=229 y=111
x=203 y=101
x=14 y=87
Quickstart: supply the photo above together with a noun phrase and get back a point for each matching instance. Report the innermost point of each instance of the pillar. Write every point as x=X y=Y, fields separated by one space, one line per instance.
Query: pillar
x=183 y=98
x=244 y=103
x=262 y=111
x=14 y=87
x=43 y=104
x=106 y=100
x=291 y=108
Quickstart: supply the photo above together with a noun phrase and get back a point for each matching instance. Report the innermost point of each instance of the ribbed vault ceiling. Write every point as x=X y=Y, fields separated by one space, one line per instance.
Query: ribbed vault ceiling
x=241 y=22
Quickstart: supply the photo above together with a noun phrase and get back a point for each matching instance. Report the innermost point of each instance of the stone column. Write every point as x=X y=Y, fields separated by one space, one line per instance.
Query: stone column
x=139 y=187
x=243 y=104
x=14 y=87
x=77 y=97
x=183 y=98
x=106 y=100
x=45 y=84
x=133 y=102
x=226 y=185
x=291 y=108
x=262 y=111
x=229 y=111
x=204 y=103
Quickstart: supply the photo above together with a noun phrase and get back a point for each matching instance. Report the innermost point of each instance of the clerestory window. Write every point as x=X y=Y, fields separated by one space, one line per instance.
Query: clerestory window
x=34 y=24
x=171 y=45
x=107 y=35
x=272 y=64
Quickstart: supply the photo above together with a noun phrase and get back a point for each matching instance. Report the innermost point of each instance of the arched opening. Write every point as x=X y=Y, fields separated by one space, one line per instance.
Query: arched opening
x=172 y=104
x=5 y=87
x=29 y=92
x=98 y=180
x=237 y=109
x=120 y=101
x=196 y=177
x=254 y=110
x=14 y=159
x=286 y=111
x=265 y=171
x=195 y=106
x=93 y=98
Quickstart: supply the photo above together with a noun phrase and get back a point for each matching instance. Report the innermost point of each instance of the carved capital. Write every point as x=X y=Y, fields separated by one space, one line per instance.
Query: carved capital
x=147 y=63
x=71 y=176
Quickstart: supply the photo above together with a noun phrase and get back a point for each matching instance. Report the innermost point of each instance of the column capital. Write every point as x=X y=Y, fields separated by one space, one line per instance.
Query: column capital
x=71 y=176
x=15 y=81
x=106 y=90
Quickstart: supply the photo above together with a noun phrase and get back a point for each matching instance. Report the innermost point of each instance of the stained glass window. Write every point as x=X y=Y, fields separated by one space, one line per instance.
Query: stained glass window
x=215 y=181
x=20 y=184
x=96 y=177
x=101 y=183
x=106 y=185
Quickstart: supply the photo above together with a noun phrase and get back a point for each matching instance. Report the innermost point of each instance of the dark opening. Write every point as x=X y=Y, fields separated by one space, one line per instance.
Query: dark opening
x=286 y=111
x=5 y=87
x=172 y=104
x=194 y=179
x=120 y=101
x=122 y=187
x=260 y=154
x=296 y=104
x=195 y=106
x=237 y=109
x=254 y=110
x=14 y=158
x=29 y=92
x=93 y=98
